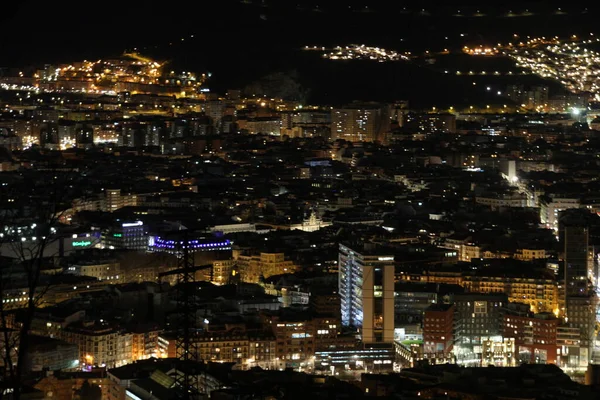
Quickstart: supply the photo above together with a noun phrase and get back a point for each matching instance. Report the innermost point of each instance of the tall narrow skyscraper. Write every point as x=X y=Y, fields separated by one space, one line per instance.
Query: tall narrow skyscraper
x=366 y=288
x=574 y=226
x=580 y=300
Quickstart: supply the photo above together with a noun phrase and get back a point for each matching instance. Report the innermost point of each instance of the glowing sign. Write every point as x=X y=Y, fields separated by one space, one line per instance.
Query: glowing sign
x=117 y=235
x=385 y=258
x=83 y=243
x=128 y=225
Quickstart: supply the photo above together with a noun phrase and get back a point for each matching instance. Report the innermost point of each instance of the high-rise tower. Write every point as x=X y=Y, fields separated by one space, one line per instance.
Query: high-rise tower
x=580 y=299
x=574 y=232
x=366 y=288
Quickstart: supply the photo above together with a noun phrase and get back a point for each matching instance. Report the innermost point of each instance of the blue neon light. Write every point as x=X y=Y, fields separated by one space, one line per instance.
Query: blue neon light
x=160 y=243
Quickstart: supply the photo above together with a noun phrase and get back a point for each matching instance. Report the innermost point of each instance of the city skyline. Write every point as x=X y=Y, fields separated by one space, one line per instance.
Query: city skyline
x=257 y=199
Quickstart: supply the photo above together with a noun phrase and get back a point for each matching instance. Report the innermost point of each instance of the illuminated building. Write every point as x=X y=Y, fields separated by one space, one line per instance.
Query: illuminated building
x=574 y=234
x=167 y=345
x=463 y=247
x=481 y=51
x=311 y=223
x=222 y=271
x=230 y=346
x=535 y=337
x=109 y=271
x=580 y=299
x=262 y=349
x=306 y=123
x=373 y=360
x=463 y=160
x=570 y=353
x=115 y=200
x=127 y=235
x=252 y=268
x=112 y=200
x=236 y=345
x=366 y=288
x=100 y=344
x=500 y=201
x=551 y=207
x=264 y=125
x=581 y=315
x=357 y=123
x=200 y=243
x=529 y=254
x=499 y=351
x=234 y=228
x=438 y=332
x=431 y=123
x=299 y=335
x=105 y=133
x=540 y=293
x=479 y=329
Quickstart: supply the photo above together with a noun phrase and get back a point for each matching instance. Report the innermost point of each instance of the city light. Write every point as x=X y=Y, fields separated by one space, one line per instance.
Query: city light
x=362 y=52
x=160 y=243
x=569 y=62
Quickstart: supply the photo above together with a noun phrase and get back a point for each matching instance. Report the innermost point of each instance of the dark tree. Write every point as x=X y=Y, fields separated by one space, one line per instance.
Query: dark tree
x=87 y=391
x=284 y=85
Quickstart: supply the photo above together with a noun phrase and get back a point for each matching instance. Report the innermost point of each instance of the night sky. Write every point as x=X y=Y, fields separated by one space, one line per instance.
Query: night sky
x=38 y=30
x=240 y=42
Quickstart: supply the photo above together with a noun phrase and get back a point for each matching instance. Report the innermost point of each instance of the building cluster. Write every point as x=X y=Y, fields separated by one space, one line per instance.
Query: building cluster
x=130 y=73
x=361 y=52
x=366 y=239
x=573 y=63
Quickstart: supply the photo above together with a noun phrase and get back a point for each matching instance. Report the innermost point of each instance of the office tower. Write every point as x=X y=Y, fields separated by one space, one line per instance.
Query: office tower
x=366 y=288
x=579 y=298
x=479 y=330
x=478 y=315
x=129 y=235
x=574 y=233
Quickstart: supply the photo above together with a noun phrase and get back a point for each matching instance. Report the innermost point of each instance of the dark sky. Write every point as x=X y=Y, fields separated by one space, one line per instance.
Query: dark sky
x=241 y=42
x=36 y=30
